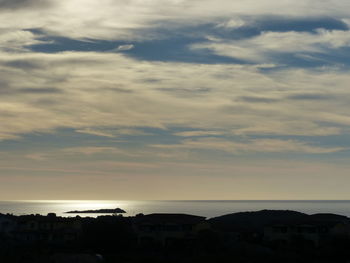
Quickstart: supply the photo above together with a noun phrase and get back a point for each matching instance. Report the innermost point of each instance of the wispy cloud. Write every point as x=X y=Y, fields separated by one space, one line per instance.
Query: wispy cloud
x=90 y=150
x=263 y=47
x=252 y=146
x=21 y=4
x=124 y=19
x=96 y=132
x=125 y=47
x=17 y=40
x=81 y=99
x=197 y=133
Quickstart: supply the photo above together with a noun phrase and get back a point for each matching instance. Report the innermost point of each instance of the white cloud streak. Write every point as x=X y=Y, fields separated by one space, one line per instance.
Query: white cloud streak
x=125 y=47
x=253 y=146
x=260 y=48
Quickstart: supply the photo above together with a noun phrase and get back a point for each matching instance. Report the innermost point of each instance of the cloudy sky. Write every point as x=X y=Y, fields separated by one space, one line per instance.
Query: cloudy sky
x=174 y=99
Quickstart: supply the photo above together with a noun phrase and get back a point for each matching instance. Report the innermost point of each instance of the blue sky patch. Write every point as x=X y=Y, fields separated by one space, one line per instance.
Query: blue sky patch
x=173 y=45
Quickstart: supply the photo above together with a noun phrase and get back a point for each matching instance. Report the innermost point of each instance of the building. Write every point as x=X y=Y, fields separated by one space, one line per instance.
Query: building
x=7 y=224
x=167 y=228
x=290 y=234
x=37 y=228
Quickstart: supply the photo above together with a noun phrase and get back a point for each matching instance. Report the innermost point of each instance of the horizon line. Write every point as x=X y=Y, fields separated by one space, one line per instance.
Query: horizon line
x=170 y=200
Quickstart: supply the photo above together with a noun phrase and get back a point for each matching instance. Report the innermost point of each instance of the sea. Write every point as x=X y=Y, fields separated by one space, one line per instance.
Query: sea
x=206 y=208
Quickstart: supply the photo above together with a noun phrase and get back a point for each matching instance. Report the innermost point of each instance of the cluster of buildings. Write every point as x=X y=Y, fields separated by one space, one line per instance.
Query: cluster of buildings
x=153 y=228
x=166 y=229
x=315 y=233
x=38 y=228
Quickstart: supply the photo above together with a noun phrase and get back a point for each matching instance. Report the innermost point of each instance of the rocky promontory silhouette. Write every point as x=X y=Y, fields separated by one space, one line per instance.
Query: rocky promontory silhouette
x=98 y=211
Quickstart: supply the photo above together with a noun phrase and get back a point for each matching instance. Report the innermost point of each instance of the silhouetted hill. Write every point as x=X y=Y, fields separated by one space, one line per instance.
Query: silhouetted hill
x=159 y=218
x=255 y=221
x=327 y=217
x=261 y=236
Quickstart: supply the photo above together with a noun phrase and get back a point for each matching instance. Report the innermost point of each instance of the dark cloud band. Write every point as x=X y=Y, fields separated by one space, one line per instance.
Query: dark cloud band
x=20 y=4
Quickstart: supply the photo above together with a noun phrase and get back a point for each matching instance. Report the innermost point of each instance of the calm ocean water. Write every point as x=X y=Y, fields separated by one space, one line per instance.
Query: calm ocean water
x=202 y=208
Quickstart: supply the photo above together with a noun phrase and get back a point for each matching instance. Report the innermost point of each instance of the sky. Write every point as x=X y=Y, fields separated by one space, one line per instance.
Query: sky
x=174 y=99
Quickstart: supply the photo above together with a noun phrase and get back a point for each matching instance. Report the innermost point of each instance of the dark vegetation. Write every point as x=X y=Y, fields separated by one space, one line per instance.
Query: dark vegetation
x=248 y=237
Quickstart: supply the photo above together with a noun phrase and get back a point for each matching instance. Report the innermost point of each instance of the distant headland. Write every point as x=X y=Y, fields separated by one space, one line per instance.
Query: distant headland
x=98 y=211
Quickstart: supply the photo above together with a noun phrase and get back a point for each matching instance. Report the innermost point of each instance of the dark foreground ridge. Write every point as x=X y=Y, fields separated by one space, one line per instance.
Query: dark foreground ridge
x=98 y=211
x=248 y=237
